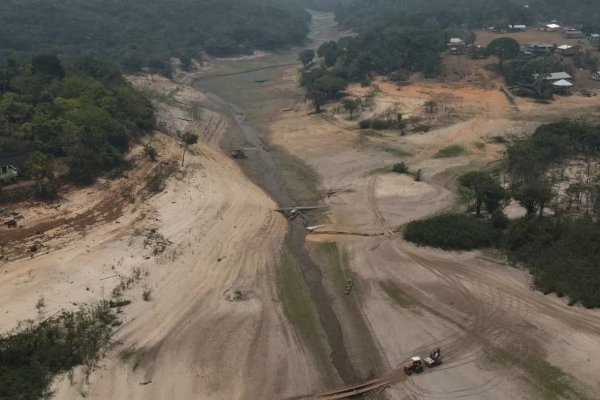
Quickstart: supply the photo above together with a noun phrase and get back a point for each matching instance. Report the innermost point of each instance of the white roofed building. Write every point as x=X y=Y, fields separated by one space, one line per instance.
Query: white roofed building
x=567 y=50
x=457 y=46
x=557 y=76
x=562 y=86
x=517 y=28
x=551 y=27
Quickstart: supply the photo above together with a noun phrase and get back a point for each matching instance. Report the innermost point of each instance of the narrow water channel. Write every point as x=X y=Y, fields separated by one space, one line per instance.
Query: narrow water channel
x=311 y=272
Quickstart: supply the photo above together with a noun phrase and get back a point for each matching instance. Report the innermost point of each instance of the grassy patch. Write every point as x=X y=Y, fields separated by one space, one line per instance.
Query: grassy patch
x=334 y=264
x=368 y=133
x=552 y=382
x=300 y=310
x=344 y=287
x=394 y=151
x=451 y=151
x=33 y=355
x=300 y=180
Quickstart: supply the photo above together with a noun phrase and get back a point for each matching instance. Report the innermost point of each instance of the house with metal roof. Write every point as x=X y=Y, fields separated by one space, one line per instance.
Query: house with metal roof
x=567 y=50
x=562 y=86
x=457 y=46
x=539 y=49
x=557 y=76
x=574 y=34
x=552 y=27
x=517 y=28
x=10 y=164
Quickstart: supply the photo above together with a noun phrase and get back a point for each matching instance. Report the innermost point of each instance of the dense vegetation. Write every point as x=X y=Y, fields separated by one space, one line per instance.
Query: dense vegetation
x=452 y=232
x=383 y=51
x=79 y=117
x=140 y=33
x=583 y=12
x=551 y=145
x=31 y=357
x=562 y=248
x=526 y=75
x=563 y=255
x=362 y=15
x=393 y=51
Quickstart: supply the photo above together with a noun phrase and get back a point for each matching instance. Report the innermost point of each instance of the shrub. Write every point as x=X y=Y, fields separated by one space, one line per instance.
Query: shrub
x=499 y=220
x=118 y=303
x=32 y=356
x=451 y=151
x=418 y=175
x=452 y=232
x=150 y=152
x=381 y=124
x=400 y=168
x=147 y=294
x=364 y=124
x=421 y=128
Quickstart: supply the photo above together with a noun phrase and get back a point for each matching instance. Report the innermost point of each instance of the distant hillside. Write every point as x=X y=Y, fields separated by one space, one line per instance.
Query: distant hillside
x=363 y=15
x=583 y=12
x=138 y=33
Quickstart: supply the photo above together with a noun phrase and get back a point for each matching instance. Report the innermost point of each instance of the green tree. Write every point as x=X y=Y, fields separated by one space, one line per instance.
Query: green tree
x=188 y=139
x=317 y=97
x=329 y=51
x=48 y=65
x=484 y=189
x=400 y=168
x=306 y=57
x=504 y=48
x=533 y=195
x=13 y=112
x=351 y=106
x=41 y=168
x=322 y=85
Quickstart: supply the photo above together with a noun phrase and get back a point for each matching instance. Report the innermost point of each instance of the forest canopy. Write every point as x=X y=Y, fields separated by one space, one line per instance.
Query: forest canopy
x=79 y=115
x=363 y=15
x=440 y=14
x=141 y=33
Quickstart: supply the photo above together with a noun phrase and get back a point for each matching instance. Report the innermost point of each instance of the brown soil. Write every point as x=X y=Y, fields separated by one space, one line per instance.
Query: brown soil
x=51 y=225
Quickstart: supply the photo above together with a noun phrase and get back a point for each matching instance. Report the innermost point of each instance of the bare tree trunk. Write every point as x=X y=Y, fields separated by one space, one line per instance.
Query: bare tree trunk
x=183 y=157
